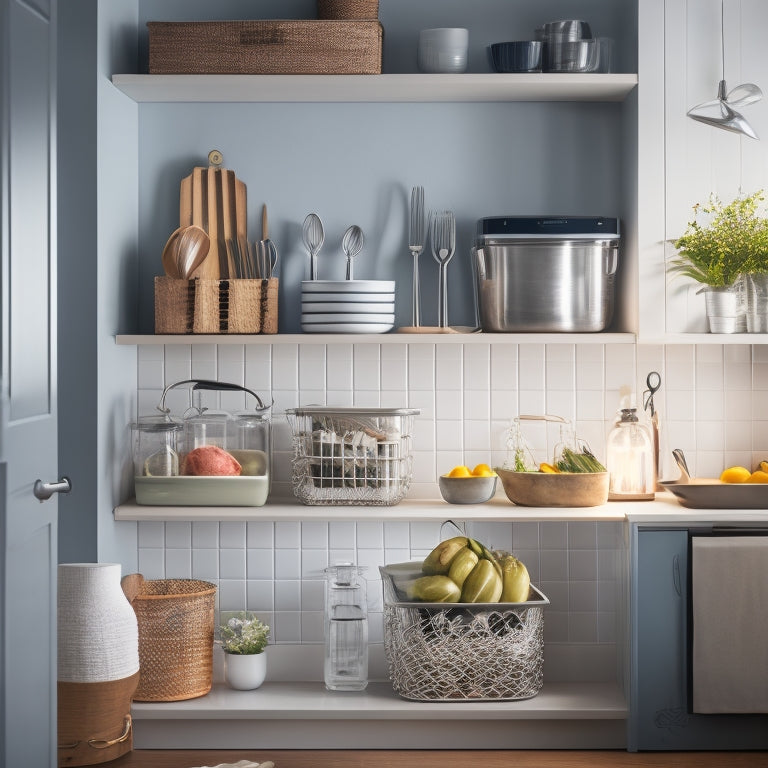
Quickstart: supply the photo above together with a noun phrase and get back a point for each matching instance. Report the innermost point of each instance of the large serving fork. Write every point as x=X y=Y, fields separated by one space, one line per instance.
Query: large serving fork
x=443 y=247
x=417 y=234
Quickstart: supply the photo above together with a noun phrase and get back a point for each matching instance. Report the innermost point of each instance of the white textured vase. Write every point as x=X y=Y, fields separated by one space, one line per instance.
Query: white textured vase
x=246 y=671
x=98 y=634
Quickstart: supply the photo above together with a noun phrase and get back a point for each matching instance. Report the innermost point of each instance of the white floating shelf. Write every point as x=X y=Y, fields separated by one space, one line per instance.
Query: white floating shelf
x=376 y=88
x=380 y=338
x=498 y=509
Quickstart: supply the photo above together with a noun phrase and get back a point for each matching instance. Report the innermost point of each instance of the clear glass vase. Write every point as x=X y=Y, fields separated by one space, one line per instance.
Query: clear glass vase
x=346 y=629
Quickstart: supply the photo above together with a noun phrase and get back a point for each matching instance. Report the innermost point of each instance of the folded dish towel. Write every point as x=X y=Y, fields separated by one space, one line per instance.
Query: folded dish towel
x=730 y=624
x=243 y=764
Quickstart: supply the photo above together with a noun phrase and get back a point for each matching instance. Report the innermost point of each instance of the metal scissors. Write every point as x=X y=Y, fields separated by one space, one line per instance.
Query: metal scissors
x=653 y=382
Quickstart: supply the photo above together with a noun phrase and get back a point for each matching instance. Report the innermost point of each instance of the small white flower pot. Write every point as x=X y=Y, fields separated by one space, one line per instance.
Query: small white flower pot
x=244 y=672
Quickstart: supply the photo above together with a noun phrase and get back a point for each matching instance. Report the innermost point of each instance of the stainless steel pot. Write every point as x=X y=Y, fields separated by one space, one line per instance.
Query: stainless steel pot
x=546 y=274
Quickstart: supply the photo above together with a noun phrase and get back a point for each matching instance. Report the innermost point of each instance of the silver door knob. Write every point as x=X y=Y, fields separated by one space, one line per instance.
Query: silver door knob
x=44 y=491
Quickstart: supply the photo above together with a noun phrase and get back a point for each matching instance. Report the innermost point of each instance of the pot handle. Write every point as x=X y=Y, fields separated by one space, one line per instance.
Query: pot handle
x=612 y=262
x=207 y=384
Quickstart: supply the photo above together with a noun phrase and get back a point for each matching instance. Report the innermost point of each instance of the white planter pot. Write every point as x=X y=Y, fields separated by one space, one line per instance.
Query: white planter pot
x=244 y=672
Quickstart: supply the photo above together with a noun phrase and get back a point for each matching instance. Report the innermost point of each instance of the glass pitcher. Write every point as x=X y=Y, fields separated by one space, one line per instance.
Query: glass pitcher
x=346 y=628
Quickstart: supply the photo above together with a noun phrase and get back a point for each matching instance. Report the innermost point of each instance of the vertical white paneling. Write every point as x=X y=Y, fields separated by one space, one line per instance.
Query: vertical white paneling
x=702 y=160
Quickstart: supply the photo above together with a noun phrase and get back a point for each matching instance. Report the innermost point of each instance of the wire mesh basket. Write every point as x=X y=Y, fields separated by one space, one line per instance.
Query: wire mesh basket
x=462 y=651
x=352 y=456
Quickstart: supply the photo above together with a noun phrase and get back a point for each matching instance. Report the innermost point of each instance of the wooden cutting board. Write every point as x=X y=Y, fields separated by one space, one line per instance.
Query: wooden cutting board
x=214 y=199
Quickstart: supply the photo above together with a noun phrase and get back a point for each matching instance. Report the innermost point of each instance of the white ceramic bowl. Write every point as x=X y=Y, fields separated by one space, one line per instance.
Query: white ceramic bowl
x=348 y=286
x=467 y=490
x=346 y=307
x=347 y=327
x=332 y=298
x=346 y=317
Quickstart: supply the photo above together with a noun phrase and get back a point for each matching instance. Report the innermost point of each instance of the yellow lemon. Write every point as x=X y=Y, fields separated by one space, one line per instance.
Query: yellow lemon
x=758 y=476
x=735 y=475
x=482 y=470
x=460 y=471
x=549 y=469
x=763 y=466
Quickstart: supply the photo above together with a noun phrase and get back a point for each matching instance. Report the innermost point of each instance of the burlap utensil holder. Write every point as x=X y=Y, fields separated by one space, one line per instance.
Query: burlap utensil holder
x=216 y=306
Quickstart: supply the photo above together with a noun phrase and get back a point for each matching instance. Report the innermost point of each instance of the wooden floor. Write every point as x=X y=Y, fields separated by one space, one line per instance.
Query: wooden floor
x=158 y=758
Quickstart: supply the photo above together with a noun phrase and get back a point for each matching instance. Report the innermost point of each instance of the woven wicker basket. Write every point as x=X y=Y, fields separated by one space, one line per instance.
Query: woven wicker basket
x=278 y=47
x=215 y=306
x=347 y=9
x=176 y=624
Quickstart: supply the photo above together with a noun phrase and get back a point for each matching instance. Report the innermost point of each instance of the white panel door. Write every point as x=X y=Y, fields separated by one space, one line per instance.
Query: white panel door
x=28 y=435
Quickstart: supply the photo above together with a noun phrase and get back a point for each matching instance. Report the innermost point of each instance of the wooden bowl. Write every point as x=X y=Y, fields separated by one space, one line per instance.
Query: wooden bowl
x=541 y=489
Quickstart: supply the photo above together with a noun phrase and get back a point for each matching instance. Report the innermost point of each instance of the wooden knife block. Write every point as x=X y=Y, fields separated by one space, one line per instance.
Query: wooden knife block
x=215 y=306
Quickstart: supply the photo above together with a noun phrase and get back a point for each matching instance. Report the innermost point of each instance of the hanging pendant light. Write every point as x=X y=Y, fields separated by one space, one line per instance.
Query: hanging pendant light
x=722 y=112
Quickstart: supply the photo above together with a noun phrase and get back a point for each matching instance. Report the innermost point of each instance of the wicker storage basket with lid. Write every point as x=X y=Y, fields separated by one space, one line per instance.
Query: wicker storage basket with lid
x=176 y=624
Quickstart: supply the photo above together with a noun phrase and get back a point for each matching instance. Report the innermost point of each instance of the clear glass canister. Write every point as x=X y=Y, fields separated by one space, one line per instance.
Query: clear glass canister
x=205 y=428
x=630 y=459
x=249 y=440
x=346 y=628
x=155 y=447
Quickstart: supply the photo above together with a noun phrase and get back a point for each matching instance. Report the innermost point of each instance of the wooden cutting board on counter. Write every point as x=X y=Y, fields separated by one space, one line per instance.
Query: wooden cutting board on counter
x=214 y=199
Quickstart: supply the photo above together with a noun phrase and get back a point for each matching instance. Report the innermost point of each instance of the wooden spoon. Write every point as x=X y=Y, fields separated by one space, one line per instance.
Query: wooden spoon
x=193 y=247
x=170 y=254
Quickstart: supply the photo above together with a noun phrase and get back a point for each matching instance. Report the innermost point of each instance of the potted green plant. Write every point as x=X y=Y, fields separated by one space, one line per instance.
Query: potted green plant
x=244 y=641
x=732 y=243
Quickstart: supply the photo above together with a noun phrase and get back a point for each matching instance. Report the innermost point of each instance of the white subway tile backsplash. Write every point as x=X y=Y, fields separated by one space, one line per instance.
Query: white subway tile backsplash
x=339 y=363
x=205 y=535
x=205 y=564
x=151 y=534
x=178 y=563
x=151 y=563
x=232 y=564
x=258 y=369
x=232 y=534
x=260 y=563
x=287 y=534
x=287 y=563
x=313 y=562
x=287 y=627
x=712 y=404
x=288 y=595
x=314 y=535
x=178 y=535
x=259 y=533
x=260 y=595
x=232 y=594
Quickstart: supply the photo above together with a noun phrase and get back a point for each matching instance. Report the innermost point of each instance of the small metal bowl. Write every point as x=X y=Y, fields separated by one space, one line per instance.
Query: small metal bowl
x=517 y=56
x=567 y=29
x=467 y=490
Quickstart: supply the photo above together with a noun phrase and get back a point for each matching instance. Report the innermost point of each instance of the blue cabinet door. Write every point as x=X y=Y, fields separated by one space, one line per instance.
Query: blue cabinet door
x=659 y=712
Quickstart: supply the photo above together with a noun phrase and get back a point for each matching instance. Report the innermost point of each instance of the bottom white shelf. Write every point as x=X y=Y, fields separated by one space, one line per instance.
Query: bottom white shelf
x=304 y=715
